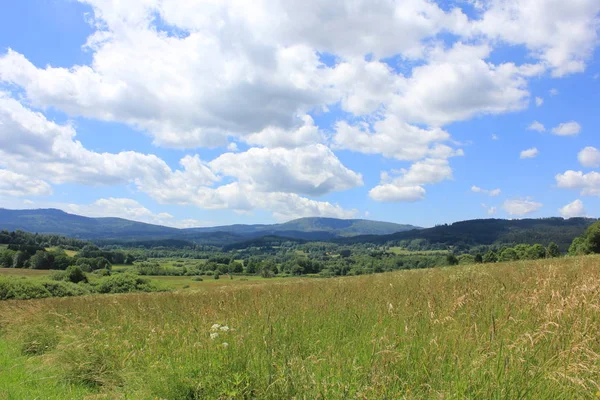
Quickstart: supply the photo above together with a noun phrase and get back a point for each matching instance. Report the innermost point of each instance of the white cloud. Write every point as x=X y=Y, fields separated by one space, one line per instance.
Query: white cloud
x=312 y=170
x=390 y=137
x=492 y=192
x=589 y=157
x=529 y=153
x=217 y=73
x=539 y=101
x=521 y=207
x=491 y=210
x=588 y=184
x=231 y=72
x=13 y=184
x=495 y=137
x=232 y=146
x=458 y=84
x=408 y=186
x=120 y=208
x=560 y=34
x=553 y=92
x=567 y=129
x=305 y=134
x=27 y=137
x=536 y=126
x=574 y=209
x=393 y=193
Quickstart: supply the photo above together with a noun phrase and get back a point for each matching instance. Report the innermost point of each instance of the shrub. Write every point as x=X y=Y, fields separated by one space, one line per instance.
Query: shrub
x=65 y=289
x=124 y=283
x=22 y=289
x=75 y=274
x=197 y=279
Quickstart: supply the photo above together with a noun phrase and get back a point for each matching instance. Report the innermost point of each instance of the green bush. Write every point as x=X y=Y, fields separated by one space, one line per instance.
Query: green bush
x=75 y=274
x=124 y=283
x=22 y=289
x=65 y=289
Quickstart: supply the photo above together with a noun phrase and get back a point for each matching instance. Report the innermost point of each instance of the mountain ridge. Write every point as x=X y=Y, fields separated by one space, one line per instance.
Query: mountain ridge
x=309 y=228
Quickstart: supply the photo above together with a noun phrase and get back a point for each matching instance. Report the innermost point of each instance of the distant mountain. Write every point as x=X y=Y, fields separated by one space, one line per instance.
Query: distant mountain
x=334 y=226
x=466 y=234
x=60 y=222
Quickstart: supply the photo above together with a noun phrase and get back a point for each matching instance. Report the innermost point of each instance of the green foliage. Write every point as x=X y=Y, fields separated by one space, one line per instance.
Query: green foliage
x=490 y=257
x=592 y=238
x=508 y=254
x=124 y=283
x=552 y=251
x=75 y=274
x=451 y=259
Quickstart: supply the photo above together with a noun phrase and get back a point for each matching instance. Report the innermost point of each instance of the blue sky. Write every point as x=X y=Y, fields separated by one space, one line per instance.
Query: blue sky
x=194 y=114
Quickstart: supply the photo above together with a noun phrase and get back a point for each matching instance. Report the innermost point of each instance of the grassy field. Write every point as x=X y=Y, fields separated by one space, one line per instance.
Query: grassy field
x=70 y=253
x=504 y=331
x=404 y=252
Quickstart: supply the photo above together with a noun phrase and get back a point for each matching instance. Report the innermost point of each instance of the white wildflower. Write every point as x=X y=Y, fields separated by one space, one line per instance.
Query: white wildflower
x=224 y=328
x=215 y=327
x=214 y=335
x=225 y=344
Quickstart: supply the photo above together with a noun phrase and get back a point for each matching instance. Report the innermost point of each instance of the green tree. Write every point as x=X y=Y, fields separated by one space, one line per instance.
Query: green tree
x=536 y=252
x=451 y=259
x=592 y=238
x=19 y=259
x=478 y=258
x=552 y=251
x=578 y=247
x=75 y=274
x=490 y=257
x=508 y=254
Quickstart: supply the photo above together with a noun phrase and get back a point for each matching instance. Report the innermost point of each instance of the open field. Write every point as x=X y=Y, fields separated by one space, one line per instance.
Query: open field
x=500 y=331
x=70 y=253
x=404 y=252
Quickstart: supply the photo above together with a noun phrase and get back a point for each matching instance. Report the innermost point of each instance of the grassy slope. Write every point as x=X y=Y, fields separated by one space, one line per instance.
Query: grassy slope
x=518 y=330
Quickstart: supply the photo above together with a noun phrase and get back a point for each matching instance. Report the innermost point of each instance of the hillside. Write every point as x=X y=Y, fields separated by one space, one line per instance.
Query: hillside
x=466 y=234
x=334 y=226
x=60 y=222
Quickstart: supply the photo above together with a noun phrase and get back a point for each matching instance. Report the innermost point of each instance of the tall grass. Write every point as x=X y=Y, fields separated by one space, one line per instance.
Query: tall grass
x=505 y=331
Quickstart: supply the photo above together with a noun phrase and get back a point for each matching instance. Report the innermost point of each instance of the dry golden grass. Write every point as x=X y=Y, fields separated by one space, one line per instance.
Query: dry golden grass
x=504 y=331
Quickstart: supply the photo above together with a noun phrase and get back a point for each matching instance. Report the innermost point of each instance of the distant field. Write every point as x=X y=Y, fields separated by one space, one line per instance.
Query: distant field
x=523 y=330
x=403 y=251
x=70 y=253
x=24 y=272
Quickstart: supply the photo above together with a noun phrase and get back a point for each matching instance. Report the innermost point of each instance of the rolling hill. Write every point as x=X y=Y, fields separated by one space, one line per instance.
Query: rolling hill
x=466 y=234
x=60 y=222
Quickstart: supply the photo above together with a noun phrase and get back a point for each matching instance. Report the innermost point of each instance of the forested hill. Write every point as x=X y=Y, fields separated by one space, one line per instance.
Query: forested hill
x=59 y=222
x=468 y=234
x=333 y=226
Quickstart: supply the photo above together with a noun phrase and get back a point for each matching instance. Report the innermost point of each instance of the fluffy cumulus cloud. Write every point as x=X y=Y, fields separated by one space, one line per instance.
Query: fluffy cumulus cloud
x=520 y=207
x=589 y=157
x=490 y=192
x=567 y=129
x=218 y=74
x=16 y=185
x=562 y=35
x=122 y=208
x=539 y=101
x=574 y=209
x=407 y=186
x=27 y=137
x=529 y=153
x=588 y=184
x=536 y=126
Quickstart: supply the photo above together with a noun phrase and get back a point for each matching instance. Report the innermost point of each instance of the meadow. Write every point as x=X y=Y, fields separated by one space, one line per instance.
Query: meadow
x=520 y=330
